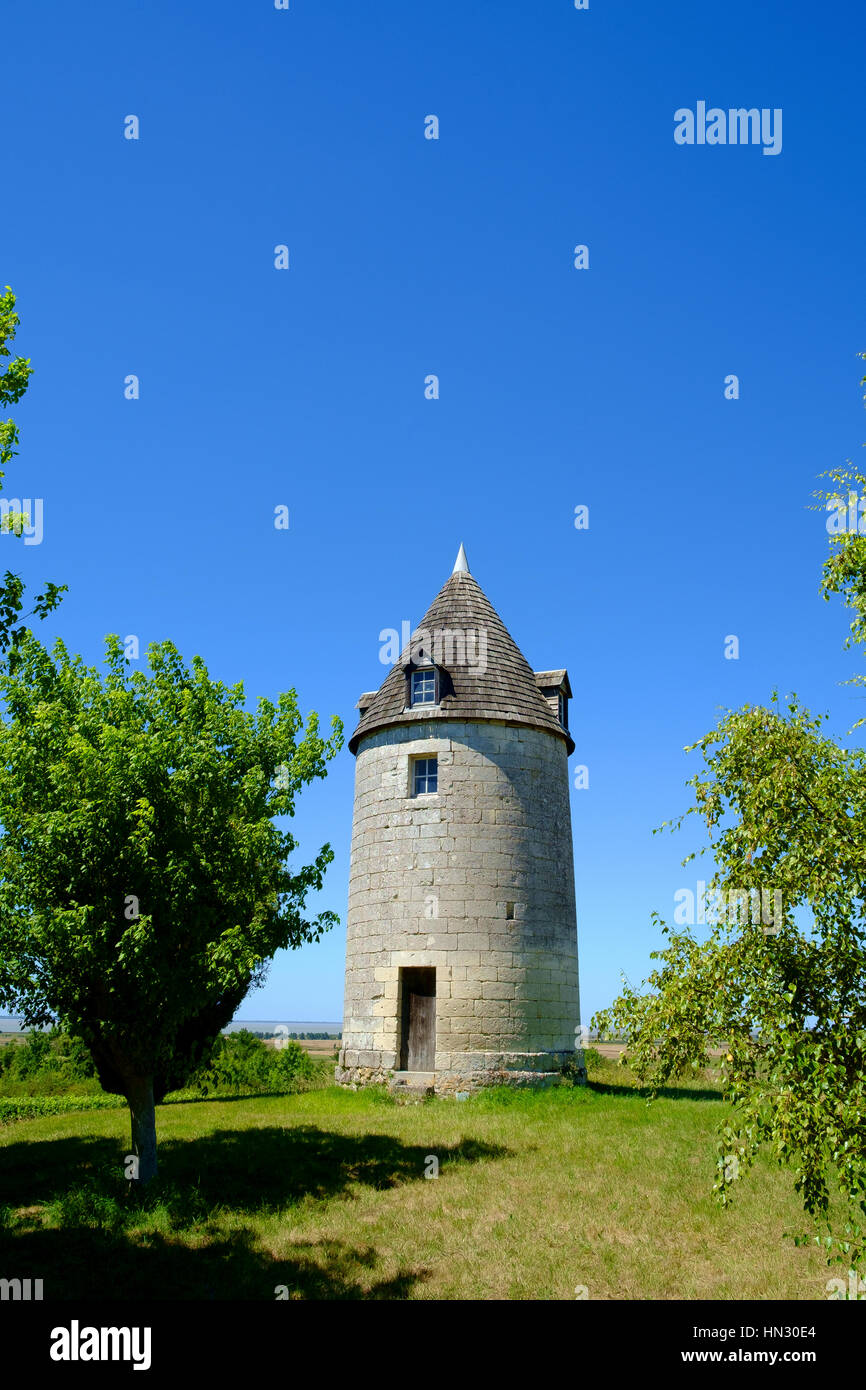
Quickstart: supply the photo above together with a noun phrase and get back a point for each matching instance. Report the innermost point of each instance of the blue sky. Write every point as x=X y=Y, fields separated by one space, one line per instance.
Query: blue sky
x=558 y=387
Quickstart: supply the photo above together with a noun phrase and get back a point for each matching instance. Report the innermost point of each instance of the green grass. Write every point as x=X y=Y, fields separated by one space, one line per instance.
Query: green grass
x=325 y=1193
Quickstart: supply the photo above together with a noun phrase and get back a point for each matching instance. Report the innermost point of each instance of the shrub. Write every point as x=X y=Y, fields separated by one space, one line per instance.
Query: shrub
x=48 y=1066
x=32 y=1107
x=573 y=1070
x=290 y=1063
x=71 y=1057
x=46 y=1063
x=31 y=1057
x=237 y=1062
x=241 y=1062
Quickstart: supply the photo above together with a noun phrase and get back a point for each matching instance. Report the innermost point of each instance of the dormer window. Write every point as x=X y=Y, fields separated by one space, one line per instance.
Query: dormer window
x=562 y=710
x=422 y=687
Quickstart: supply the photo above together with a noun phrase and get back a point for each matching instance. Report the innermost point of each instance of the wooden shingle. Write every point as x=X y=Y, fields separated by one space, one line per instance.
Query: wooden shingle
x=502 y=687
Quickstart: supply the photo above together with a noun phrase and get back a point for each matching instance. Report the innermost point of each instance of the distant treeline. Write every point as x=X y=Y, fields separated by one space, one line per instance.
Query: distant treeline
x=303 y=1037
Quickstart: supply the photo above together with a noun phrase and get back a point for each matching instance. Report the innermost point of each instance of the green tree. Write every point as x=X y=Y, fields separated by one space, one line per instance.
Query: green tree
x=144 y=883
x=14 y=379
x=785 y=811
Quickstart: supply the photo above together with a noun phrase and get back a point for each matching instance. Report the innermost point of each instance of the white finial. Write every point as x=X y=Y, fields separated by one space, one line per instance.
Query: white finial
x=461 y=564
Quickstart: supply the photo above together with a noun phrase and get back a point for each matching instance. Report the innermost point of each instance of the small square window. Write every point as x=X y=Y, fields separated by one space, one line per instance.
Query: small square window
x=423 y=687
x=425 y=776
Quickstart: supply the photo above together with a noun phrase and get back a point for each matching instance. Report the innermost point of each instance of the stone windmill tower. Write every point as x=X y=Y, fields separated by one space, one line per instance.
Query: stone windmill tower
x=461 y=962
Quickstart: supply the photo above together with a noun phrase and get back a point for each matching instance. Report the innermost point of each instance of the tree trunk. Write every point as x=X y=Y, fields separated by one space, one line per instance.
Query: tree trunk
x=143 y=1113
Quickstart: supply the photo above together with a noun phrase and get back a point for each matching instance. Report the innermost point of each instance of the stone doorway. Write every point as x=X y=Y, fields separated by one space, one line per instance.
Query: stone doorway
x=418 y=1018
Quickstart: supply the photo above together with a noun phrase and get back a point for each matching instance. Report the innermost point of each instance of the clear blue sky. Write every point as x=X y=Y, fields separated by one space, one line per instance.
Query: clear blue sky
x=409 y=256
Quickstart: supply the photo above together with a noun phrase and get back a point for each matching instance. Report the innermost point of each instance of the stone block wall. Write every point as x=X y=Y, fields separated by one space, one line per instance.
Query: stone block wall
x=476 y=880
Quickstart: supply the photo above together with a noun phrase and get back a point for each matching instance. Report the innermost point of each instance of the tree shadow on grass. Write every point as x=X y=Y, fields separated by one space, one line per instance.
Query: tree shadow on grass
x=108 y=1240
x=173 y=1098
x=249 y=1170
x=603 y=1088
x=89 y=1263
x=262 y=1169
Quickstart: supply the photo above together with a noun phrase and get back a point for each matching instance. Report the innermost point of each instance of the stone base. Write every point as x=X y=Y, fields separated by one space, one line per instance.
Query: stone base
x=449 y=1084
x=469 y=1071
x=353 y=1077
x=412 y=1085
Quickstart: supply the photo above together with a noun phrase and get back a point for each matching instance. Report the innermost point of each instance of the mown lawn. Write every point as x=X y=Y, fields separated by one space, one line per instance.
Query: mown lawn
x=538 y=1194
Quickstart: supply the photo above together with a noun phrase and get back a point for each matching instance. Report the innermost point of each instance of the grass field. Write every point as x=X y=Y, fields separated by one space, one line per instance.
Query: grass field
x=318 y=1047
x=324 y=1193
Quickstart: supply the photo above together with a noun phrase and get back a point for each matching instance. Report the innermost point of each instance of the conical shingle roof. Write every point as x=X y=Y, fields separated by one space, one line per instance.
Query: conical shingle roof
x=484 y=675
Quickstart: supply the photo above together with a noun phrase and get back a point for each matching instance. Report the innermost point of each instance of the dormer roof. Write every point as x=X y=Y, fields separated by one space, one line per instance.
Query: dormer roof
x=554 y=680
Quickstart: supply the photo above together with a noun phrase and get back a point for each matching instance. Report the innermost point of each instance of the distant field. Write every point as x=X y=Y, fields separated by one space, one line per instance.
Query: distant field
x=319 y=1047
x=540 y=1195
x=615 y=1050
x=316 y=1047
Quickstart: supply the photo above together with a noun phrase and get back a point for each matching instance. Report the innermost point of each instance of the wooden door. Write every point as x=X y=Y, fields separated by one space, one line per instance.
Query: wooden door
x=422 y=1032
x=418 y=1041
